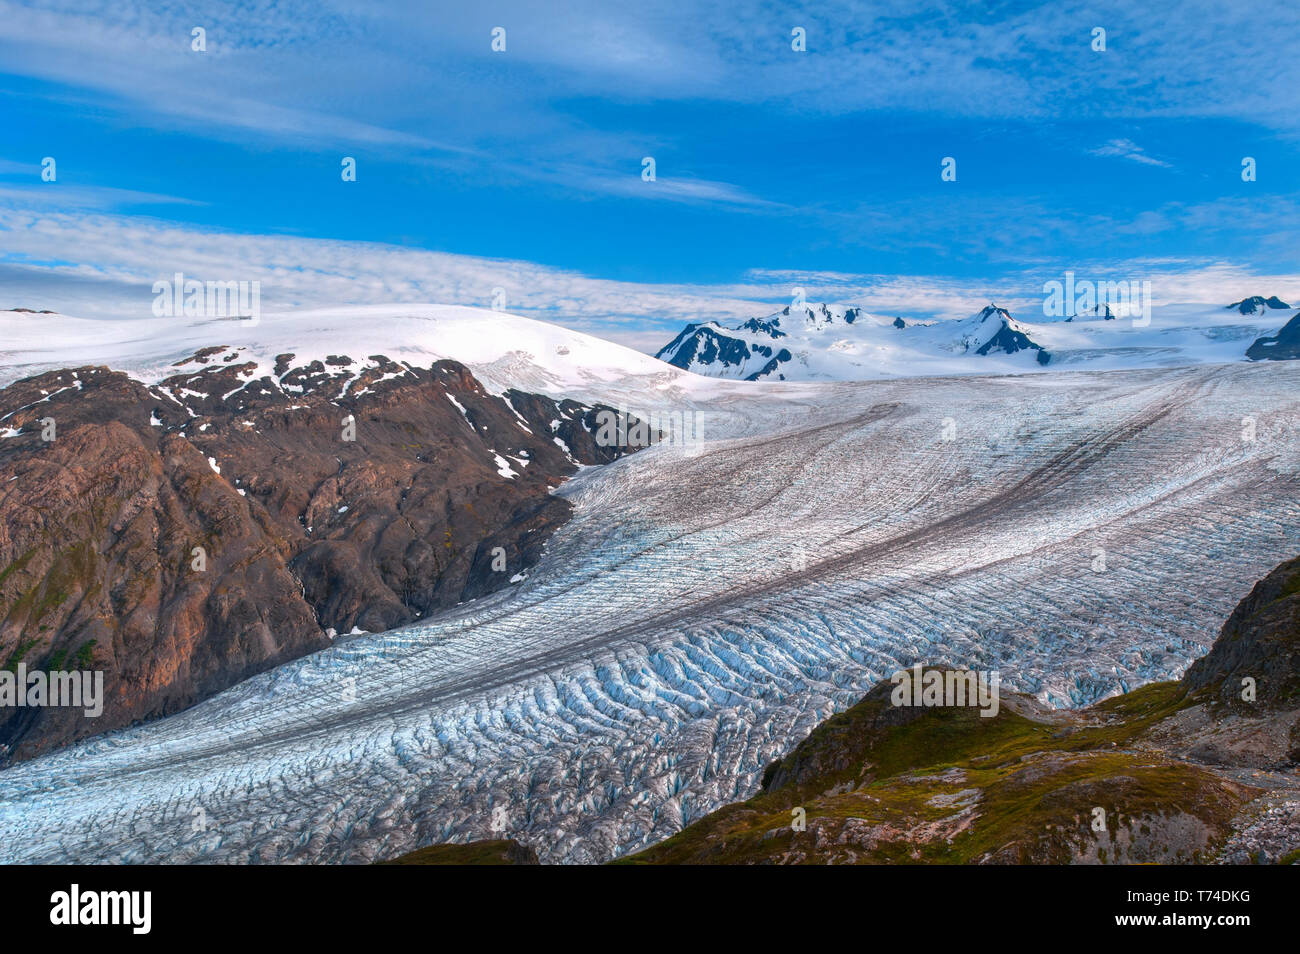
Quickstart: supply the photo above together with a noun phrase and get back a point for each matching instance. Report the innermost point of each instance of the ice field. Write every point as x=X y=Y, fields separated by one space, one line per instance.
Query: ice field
x=1080 y=532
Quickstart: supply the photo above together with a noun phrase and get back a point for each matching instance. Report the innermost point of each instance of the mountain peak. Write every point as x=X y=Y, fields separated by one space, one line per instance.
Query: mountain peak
x=812 y=341
x=1258 y=303
x=992 y=310
x=994 y=331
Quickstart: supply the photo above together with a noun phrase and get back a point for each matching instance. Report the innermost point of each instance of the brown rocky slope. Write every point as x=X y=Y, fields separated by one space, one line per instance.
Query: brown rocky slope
x=185 y=536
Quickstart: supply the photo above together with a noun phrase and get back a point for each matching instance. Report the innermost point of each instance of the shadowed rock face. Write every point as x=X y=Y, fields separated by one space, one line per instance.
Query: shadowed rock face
x=705 y=345
x=186 y=536
x=1258 y=303
x=1283 y=346
x=1260 y=641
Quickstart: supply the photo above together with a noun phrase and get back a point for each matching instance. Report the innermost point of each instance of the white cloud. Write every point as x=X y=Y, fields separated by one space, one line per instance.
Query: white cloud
x=58 y=195
x=405 y=77
x=1127 y=149
x=102 y=265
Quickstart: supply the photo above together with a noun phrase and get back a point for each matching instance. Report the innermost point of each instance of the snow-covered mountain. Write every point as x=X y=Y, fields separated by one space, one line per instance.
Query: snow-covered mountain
x=1258 y=304
x=503 y=350
x=836 y=342
x=812 y=342
x=994 y=331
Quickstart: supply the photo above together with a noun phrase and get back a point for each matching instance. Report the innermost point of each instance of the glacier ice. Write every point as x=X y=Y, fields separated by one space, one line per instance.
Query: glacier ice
x=1081 y=533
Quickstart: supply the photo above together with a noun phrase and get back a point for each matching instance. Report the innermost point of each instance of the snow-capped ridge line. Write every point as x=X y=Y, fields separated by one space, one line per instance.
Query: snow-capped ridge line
x=844 y=342
x=502 y=349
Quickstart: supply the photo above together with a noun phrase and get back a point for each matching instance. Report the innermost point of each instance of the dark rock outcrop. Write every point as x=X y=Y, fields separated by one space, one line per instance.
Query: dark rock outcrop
x=1283 y=346
x=1008 y=340
x=772 y=367
x=704 y=344
x=1258 y=303
x=1260 y=642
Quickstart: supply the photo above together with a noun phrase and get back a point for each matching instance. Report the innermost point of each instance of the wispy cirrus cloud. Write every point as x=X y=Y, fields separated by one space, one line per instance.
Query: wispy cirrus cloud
x=676 y=189
x=766 y=156
x=72 y=197
x=1127 y=149
x=398 y=75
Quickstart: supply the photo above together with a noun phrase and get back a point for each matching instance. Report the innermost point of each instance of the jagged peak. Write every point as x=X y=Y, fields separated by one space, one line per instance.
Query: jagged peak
x=993 y=309
x=1257 y=303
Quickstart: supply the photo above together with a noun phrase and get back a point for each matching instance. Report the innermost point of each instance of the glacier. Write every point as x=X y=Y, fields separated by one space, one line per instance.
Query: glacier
x=1081 y=533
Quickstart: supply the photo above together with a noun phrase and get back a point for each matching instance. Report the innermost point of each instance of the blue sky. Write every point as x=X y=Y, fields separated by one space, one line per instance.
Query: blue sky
x=522 y=169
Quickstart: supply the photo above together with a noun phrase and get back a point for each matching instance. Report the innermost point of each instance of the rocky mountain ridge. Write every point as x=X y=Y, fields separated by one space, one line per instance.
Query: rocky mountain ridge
x=1283 y=346
x=183 y=536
